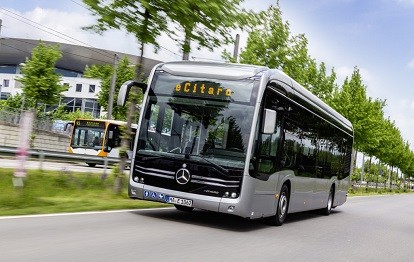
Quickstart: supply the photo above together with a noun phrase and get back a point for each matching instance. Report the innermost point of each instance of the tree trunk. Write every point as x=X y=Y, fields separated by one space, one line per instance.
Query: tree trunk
x=125 y=142
x=390 y=177
x=362 y=168
x=379 y=170
x=187 y=43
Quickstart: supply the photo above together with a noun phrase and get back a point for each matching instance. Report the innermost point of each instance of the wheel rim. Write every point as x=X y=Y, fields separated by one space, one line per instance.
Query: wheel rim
x=282 y=205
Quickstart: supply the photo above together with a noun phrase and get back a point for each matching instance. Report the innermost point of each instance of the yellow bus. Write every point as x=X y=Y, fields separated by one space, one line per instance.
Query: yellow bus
x=97 y=137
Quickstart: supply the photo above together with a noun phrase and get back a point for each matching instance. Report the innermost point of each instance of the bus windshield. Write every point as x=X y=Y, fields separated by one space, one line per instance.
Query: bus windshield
x=88 y=134
x=198 y=118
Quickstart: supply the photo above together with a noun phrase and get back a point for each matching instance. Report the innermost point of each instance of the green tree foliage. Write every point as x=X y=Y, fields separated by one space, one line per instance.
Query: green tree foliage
x=124 y=72
x=17 y=102
x=144 y=19
x=320 y=83
x=352 y=102
x=61 y=114
x=40 y=81
x=98 y=71
x=271 y=44
x=269 y=41
x=208 y=23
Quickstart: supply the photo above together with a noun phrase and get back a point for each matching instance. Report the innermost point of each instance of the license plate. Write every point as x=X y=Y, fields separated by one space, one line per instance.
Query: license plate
x=180 y=201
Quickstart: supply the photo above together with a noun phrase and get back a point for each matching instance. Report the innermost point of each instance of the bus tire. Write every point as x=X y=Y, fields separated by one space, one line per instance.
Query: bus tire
x=91 y=164
x=329 y=205
x=282 y=207
x=184 y=208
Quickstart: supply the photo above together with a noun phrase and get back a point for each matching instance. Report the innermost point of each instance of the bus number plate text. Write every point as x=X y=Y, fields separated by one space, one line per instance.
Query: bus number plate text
x=180 y=201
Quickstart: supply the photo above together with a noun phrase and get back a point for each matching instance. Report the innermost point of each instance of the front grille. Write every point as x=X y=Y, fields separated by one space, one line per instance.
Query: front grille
x=205 y=179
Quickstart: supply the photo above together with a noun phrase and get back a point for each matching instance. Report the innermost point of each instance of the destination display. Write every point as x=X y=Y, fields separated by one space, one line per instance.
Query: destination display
x=203 y=89
x=90 y=123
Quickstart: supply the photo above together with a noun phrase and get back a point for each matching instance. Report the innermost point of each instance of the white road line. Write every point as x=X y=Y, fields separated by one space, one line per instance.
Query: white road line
x=81 y=213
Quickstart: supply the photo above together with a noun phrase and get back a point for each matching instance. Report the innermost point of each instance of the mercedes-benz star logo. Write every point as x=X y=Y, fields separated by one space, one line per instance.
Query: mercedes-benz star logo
x=182 y=176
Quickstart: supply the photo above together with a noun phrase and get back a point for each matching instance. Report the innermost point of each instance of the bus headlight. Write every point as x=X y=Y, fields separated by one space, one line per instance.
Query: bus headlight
x=230 y=194
x=135 y=178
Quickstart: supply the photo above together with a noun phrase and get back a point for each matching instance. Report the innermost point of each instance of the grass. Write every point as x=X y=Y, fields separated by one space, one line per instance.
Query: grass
x=363 y=191
x=56 y=191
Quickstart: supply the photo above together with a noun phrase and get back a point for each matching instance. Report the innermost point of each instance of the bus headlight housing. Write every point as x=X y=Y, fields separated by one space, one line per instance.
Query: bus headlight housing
x=230 y=194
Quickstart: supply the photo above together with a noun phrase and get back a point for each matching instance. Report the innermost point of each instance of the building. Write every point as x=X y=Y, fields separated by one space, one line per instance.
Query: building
x=82 y=92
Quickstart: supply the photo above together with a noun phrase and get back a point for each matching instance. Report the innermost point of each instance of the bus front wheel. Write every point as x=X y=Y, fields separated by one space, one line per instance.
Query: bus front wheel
x=282 y=207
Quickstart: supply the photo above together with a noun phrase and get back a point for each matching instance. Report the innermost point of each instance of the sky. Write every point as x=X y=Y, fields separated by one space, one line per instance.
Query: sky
x=377 y=36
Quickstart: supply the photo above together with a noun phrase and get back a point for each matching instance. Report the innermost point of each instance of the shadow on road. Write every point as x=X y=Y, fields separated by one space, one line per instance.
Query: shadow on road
x=308 y=215
x=223 y=221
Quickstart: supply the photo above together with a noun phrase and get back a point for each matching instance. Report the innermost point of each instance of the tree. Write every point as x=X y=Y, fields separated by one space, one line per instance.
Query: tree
x=16 y=102
x=40 y=81
x=319 y=83
x=209 y=23
x=61 y=114
x=269 y=40
x=144 y=19
x=271 y=44
x=124 y=72
x=352 y=102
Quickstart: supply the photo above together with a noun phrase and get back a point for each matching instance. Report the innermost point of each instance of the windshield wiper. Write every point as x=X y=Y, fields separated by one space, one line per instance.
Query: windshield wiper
x=222 y=169
x=146 y=158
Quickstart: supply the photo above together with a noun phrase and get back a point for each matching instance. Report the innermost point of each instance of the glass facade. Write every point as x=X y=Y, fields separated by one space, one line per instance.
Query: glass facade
x=6 y=69
x=83 y=104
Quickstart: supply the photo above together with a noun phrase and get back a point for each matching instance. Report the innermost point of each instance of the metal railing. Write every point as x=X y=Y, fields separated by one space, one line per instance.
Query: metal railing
x=61 y=156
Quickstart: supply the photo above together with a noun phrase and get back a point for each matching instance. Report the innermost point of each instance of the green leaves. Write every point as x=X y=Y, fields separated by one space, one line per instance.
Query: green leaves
x=39 y=80
x=270 y=43
x=209 y=23
x=124 y=73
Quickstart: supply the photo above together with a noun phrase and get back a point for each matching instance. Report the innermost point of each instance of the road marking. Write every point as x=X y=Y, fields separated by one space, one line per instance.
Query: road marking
x=81 y=213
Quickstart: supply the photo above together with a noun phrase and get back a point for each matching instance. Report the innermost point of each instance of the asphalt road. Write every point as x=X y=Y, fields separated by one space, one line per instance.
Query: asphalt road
x=364 y=229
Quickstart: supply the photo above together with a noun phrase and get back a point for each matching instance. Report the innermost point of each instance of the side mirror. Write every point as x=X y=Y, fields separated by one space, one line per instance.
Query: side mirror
x=106 y=148
x=68 y=126
x=269 y=121
x=125 y=88
x=111 y=134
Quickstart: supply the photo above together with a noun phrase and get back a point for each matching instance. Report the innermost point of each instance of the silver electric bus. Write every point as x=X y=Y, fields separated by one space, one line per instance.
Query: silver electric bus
x=237 y=139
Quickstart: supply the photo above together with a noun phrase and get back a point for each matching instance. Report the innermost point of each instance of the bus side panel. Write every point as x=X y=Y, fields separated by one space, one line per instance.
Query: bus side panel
x=321 y=192
x=301 y=196
x=265 y=197
x=341 y=193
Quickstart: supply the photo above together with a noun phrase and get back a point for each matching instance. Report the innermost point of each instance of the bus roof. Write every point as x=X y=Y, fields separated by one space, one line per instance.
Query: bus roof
x=212 y=69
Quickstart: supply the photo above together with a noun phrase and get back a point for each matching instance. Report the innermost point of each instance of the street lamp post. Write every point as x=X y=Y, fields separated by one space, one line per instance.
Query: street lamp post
x=112 y=88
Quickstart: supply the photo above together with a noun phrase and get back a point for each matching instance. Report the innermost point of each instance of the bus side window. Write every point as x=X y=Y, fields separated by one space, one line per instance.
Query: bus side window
x=113 y=137
x=269 y=141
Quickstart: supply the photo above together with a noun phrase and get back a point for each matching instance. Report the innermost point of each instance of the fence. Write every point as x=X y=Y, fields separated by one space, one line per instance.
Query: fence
x=12 y=117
